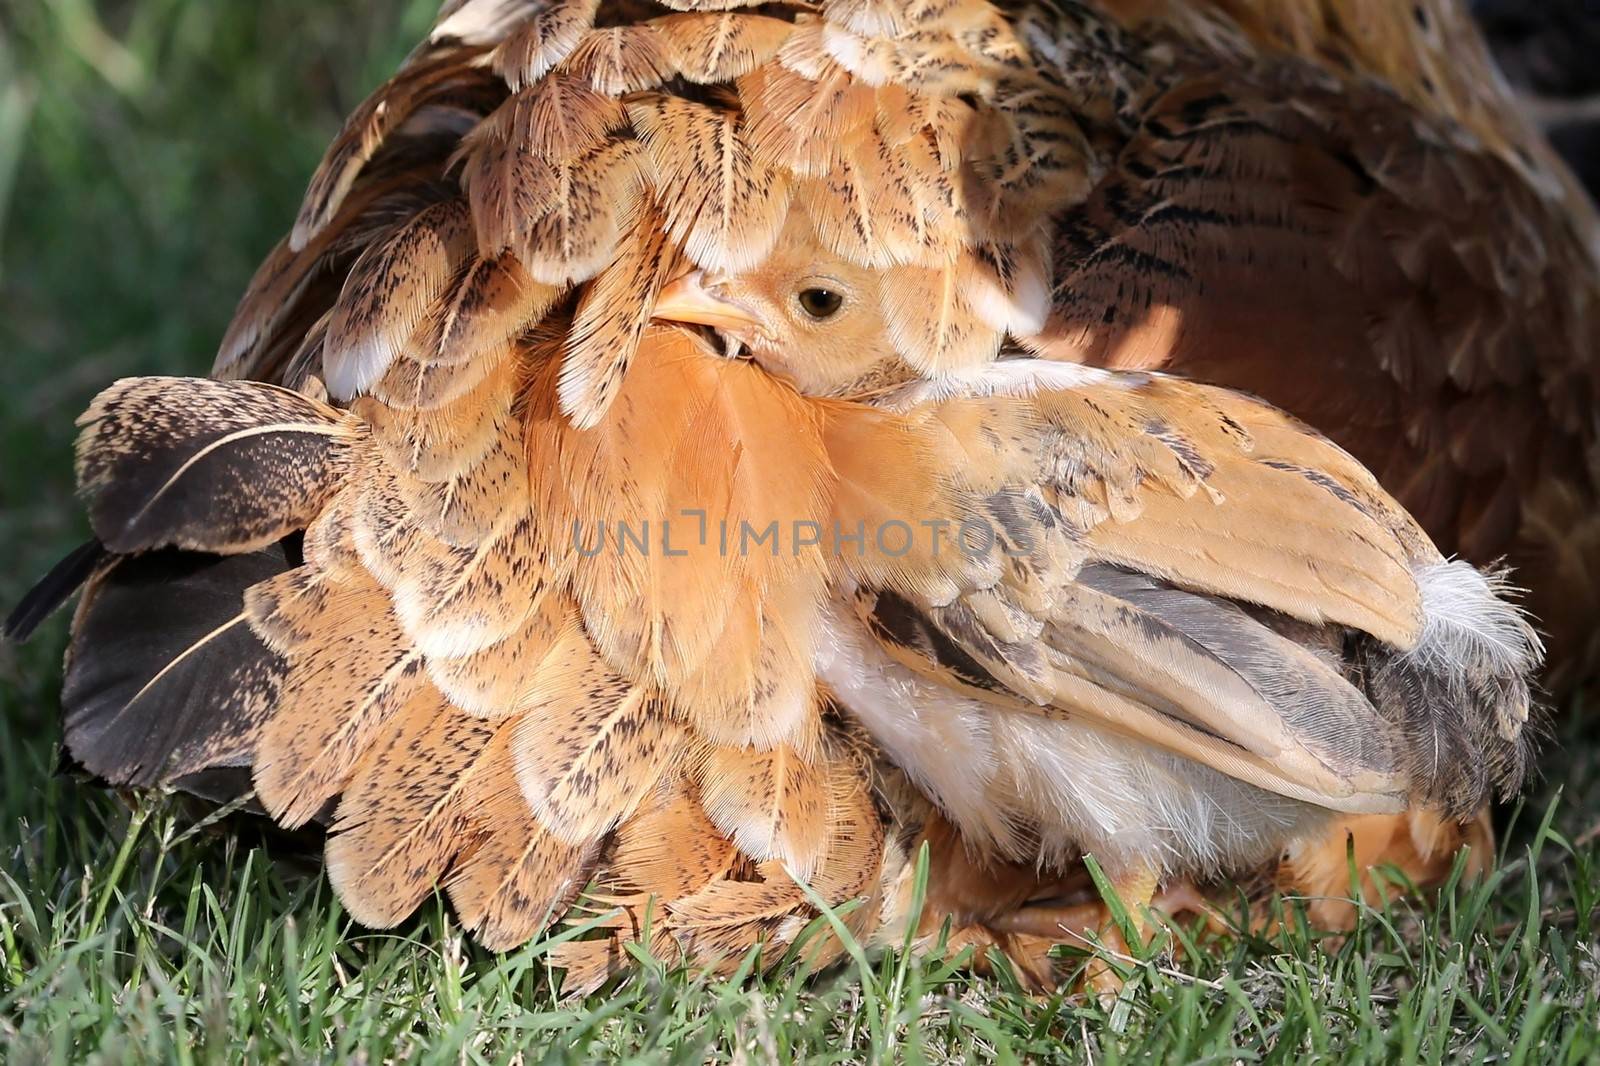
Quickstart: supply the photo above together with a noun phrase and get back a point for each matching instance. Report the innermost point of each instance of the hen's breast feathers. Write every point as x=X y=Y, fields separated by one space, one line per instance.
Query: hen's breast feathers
x=1177 y=585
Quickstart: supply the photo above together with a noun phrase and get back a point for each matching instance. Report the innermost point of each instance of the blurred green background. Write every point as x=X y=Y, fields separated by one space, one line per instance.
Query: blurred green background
x=151 y=152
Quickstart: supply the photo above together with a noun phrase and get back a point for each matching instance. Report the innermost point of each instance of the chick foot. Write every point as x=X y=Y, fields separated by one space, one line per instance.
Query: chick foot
x=1421 y=844
x=1079 y=922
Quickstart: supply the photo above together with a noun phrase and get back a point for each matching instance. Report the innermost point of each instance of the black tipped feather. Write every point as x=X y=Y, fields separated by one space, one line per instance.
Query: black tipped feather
x=216 y=466
x=165 y=678
x=53 y=590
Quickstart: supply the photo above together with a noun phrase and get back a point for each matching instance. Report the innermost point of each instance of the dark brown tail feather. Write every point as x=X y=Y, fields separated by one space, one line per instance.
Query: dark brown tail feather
x=212 y=466
x=53 y=590
x=165 y=678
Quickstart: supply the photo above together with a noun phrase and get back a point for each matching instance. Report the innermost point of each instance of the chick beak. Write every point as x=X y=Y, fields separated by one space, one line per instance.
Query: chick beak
x=688 y=300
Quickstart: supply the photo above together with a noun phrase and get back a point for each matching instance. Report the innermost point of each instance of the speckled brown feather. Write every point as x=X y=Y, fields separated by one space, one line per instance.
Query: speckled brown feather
x=671 y=849
x=720 y=206
x=610 y=320
x=389 y=292
x=435 y=443
x=468 y=333
x=402 y=818
x=622 y=59
x=341 y=690
x=710 y=48
x=514 y=877
x=502 y=677
x=591 y=745
x=208 y=466
x=543 y=40
x=773 y=804
x=453 y=600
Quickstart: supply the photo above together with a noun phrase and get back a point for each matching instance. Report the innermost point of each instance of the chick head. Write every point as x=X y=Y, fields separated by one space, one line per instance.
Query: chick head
x=804 y=314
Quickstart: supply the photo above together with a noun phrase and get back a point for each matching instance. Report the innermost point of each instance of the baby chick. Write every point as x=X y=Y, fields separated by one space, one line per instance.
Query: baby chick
x=804 y=314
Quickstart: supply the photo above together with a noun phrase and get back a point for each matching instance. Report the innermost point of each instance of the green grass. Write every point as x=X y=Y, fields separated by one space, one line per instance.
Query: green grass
x=150 y=153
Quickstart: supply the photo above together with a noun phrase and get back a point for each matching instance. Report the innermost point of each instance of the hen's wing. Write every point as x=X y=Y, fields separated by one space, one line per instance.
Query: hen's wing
x=382 y=614
x=1138 y=551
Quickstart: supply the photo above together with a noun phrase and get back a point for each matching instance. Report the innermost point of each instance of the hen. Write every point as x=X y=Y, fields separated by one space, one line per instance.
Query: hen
x=519 y=592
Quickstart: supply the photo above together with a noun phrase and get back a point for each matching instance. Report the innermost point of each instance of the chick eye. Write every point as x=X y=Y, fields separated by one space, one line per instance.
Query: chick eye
x=820 y=303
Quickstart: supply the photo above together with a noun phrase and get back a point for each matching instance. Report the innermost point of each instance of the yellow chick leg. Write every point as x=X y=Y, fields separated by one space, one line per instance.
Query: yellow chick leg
x=1137 y=892
x=1422 y=844
x=1184 y=897
x=1064 y=923
x=1074 y=923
